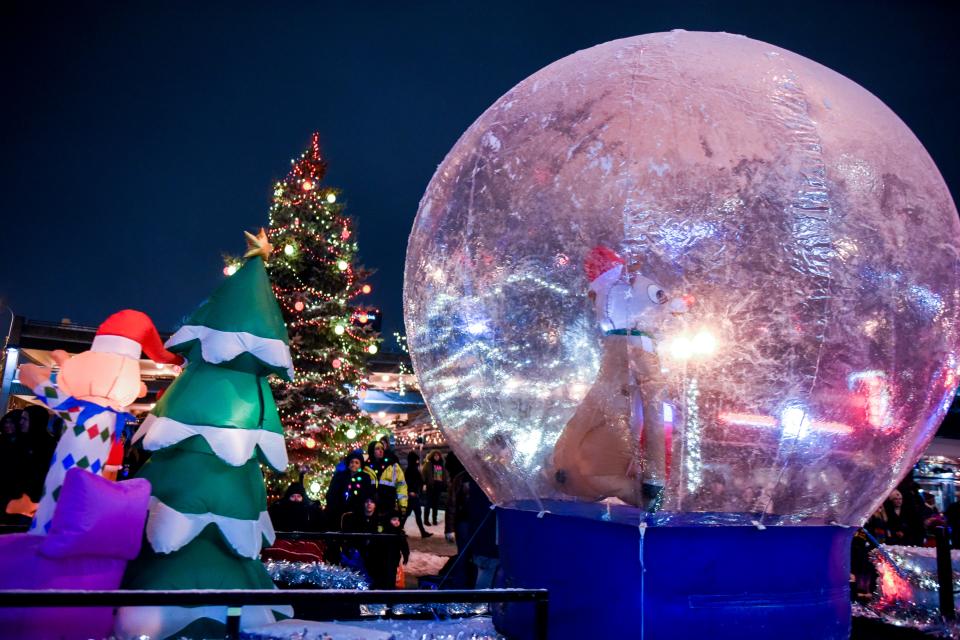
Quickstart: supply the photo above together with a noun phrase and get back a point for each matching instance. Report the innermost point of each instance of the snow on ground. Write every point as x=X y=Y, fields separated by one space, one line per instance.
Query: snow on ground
x=427 y=555
x=424 y=564
x=436 y=545
x=480 y=628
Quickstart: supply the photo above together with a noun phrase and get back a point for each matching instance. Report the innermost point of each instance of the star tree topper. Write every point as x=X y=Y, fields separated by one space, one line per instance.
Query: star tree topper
x=258 y=245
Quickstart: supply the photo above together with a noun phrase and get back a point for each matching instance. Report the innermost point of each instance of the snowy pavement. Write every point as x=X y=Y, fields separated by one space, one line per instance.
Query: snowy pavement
x=436 y=545
x=427 y=555
x=423 y=564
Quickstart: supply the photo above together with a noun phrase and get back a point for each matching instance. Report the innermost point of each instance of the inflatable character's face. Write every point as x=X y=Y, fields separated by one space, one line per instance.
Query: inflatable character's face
x=627 y=300
x=108 y=379
x=646 y=303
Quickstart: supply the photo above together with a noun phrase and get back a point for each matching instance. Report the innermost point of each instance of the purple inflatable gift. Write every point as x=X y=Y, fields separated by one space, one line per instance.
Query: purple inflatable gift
x=96 y=529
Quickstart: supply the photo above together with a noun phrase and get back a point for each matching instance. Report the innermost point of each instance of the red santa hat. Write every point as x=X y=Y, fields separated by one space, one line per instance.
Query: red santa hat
x=600 y=260
x=128 y=333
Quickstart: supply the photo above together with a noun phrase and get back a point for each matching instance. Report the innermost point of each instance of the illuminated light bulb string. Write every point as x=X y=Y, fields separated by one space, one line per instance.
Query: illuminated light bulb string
x=317 y=283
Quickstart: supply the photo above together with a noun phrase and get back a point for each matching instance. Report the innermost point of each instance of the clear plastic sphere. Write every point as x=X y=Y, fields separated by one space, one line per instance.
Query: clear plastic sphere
x=687 y=277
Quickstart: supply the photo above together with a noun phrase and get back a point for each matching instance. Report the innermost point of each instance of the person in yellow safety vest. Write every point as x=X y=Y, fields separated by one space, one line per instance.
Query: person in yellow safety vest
x=389 y=483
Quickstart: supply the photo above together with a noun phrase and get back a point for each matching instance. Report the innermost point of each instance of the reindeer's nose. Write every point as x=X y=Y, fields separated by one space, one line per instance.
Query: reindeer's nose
x=688 y=300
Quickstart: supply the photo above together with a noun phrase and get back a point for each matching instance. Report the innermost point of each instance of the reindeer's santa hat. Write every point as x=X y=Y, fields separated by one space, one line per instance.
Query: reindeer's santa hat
x=603 y=266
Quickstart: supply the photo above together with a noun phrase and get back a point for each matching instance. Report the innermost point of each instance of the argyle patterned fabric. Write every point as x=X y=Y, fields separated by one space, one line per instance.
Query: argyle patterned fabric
x=84 y=445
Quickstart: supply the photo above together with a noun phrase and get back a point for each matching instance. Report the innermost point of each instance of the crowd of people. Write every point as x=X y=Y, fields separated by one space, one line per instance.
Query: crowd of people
x=911 y=517
x=373 y=494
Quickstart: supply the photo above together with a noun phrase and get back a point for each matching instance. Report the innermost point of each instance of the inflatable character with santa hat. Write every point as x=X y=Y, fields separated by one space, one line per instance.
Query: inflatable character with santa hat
x=615 y=445
x=90 y=393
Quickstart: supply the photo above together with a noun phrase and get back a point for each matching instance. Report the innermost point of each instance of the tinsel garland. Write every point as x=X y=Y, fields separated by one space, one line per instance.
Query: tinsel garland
x=326 y=576
x=907 y=590
x=315 y=574
x=439 y=610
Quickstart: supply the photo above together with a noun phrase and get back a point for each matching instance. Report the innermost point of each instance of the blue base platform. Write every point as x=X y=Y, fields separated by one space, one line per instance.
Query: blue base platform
x=718 y=582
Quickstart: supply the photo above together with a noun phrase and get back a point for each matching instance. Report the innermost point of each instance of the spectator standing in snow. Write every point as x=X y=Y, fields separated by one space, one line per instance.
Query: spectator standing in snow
x=414 y=492
x=388 y=553
x=381 y=557
x=348 y=490
x=356 y=554
x=436 y=478
x=453 y=468
x=387 y=477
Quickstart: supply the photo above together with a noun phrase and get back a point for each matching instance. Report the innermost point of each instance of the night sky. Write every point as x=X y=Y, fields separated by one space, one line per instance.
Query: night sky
x=138 y=141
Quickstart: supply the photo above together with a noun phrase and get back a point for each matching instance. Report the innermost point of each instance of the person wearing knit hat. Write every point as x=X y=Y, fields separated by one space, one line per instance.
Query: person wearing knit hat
x=348 y=490
x=90 y=393
x=615 y=445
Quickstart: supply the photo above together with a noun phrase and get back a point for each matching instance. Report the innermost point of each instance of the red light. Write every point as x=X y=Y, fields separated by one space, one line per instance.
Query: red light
x=336 y=363
x=307 y=185
x=366 y=288
x=298 y=305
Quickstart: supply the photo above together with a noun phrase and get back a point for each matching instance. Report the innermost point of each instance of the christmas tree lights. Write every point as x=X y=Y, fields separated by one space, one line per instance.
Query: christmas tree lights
x=316 y=281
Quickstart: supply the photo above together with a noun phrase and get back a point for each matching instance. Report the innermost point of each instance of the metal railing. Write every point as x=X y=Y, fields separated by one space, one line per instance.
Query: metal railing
x=234 y=599
x=331 y=535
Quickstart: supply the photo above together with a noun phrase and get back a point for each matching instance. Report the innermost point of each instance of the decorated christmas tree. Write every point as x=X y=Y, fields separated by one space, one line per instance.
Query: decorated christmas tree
x=331 y=336
x=209 y=435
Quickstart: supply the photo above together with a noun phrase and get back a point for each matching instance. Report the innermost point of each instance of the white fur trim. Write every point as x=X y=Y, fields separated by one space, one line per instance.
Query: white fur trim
x=607 y=278
x=163 y=622
x=169 y=530
x=221 y=346
x=233 y=446
x=117 y=344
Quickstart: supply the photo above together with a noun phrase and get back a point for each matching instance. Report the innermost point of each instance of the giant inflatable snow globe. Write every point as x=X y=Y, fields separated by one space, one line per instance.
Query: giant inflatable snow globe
x=685 y=306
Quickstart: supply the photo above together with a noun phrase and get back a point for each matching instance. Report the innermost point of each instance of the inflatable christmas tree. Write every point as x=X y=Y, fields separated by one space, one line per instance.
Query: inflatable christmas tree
x=208 y=434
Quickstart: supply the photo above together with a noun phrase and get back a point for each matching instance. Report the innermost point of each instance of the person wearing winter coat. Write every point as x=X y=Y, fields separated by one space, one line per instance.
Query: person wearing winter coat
x=453 y=467
x=899 y=520
x=388 y=553
x=380 y=556
x=348 y=490
x=295 y=511
x=436 y=478
x=415 y=488
x=390 y=485
x=363 y=521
